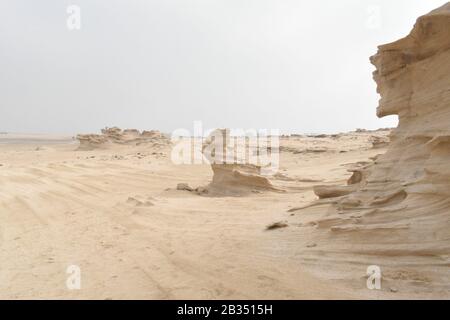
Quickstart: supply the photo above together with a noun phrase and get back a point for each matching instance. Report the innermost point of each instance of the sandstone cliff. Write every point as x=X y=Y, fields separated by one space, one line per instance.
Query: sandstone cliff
x=395 y=211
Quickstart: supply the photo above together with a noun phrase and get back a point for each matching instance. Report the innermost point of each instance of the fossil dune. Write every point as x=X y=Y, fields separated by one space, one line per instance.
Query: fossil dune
x=116 y=206
x=395 y=211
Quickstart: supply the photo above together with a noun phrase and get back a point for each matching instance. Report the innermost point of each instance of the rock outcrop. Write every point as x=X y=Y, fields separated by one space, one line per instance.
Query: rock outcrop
x=413 y=78
x=115 y=136
x=396 y=210
x=233 y=171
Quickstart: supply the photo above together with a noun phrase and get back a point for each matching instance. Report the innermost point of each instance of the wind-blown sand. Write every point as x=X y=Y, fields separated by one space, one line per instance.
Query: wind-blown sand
x=141 y=227
x=116 y=213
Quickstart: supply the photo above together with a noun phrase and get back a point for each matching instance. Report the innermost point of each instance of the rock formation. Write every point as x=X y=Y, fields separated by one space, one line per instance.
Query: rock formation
x=396 y=210
x=413 y=78
x=116 y=136
x=233 y=171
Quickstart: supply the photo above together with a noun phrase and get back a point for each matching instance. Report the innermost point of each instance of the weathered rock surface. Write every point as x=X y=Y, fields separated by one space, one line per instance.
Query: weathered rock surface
x=231 y=172
x=398 y=213
x=117 y=136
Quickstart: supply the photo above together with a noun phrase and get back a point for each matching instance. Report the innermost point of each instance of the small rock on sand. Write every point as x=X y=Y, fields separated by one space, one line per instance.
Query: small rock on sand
x=139 y=203
x=201 y=190
x=277 y=225
x=184 y=186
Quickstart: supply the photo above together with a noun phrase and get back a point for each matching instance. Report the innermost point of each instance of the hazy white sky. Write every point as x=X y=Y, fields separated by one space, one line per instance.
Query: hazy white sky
x=295 y=65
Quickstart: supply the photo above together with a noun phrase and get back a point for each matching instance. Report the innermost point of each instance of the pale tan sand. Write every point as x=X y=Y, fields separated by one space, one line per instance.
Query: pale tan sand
x=127 y=216
x=27 y=138
x=116 y=213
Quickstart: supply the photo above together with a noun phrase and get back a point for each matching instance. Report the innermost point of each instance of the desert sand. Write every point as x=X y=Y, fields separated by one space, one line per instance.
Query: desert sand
x=115 y=212
x=141 y=227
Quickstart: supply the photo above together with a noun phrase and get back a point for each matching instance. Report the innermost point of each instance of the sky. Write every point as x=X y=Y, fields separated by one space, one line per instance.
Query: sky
x=293 y=65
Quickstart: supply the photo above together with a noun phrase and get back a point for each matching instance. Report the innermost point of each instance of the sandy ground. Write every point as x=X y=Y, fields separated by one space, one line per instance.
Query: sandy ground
x=117 y=210
x=117 y=215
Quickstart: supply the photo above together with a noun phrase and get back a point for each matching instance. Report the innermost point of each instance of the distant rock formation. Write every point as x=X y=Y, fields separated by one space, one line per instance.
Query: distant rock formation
x=116 y=136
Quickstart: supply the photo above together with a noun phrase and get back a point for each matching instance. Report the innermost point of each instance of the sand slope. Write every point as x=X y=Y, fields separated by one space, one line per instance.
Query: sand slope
x=116 y=213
